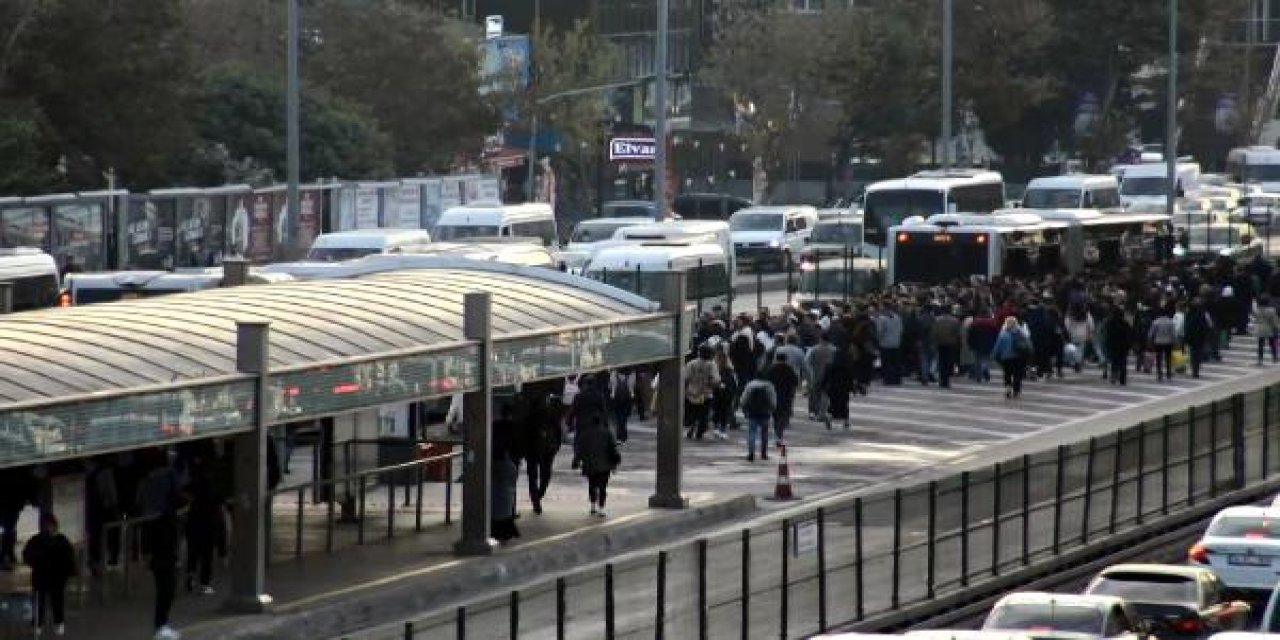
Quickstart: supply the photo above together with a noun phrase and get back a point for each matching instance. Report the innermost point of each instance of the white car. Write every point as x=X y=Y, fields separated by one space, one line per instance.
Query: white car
x=1242 y=546
x=1092 y=616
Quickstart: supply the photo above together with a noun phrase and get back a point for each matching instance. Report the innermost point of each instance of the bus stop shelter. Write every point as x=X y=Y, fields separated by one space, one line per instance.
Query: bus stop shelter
x=234 y=362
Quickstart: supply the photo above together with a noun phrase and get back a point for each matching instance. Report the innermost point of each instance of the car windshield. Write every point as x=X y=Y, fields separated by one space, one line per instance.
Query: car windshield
x=1146 y=587
x=1262 y=173
x=628 y=211
x=847 y=233
x=596 y=231
x=756 y=222
x=462 y=232
x=1051 y=199
x=339 y=254
x=1046 y=616
x=1144 y=186
x=1245 y=527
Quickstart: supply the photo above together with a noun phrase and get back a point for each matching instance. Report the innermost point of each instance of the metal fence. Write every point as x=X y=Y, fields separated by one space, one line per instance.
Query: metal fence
x=878 y=553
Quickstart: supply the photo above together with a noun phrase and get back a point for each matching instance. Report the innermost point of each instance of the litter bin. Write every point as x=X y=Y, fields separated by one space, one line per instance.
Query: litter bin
x=438 y=470
x=393 y=451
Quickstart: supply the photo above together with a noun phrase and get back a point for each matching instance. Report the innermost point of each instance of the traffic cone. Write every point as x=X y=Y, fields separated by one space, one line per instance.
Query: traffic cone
x=782 y=489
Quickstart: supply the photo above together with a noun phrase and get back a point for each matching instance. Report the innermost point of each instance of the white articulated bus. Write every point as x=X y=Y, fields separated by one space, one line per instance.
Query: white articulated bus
x=889 y=202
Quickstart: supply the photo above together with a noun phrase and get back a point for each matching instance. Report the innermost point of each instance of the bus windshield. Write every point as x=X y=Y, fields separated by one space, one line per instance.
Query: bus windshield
x=462 y=232
x=1051 y=199
x=1144 y=186
x=756 y=222
x=597 y=231
x=1262 y=173
x=884 y=209
x=338 y=254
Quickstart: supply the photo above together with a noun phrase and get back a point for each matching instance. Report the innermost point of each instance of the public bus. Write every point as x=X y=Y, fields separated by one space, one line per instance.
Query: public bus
x=111 y=286
x=889 y=202
x=1255 y=166
x=1021 y=243
x=32 y=275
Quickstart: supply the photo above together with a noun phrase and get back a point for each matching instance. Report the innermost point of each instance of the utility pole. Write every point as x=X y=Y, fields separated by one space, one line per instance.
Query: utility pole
x=532 y=159
x=293 y=161
x=1171 y=117
x=1248 y=108
x=947 y=35
x=660 y=114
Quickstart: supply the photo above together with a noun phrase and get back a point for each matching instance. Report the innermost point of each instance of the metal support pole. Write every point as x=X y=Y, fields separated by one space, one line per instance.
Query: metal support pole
x=477 y=433
x=1266 y=431
x=1058 y=482
x=249 y=541
x=293 y=108
x=1116 y=459
x=1141 y=494
x=702 y=589
x=897 y=548
x=822 y=569
x=857 y=557
x=671 y=402
x=947 y=46
x=1191 y=456
x=784 y=579
x=513 y=609
x=609 y=604
x=1164 y=466
x=995 y=520
x=1026 y=510
x=1171 y=118
x=1238 y=442
x=660 y=112
x=6 y=297
x=1213 y=449
x=660 y=608
x=931 y=535
x=1086 y=509
x=745 y=623
x=964 y=528
x=561 y=607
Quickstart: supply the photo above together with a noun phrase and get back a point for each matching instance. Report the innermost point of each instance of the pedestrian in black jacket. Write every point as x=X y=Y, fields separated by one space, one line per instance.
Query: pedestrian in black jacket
x=1119 y=340
x=53 y=563
x=595 y=451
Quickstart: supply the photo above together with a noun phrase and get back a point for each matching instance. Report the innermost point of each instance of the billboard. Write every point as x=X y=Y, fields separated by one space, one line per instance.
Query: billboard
x=238 y=223
x=261 y=248
x=366 y=207
x=149 y=233
x=81 y=244
x=25 y=226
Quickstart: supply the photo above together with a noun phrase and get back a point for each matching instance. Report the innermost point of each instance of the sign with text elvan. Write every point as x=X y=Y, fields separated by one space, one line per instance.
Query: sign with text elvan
x=632 y=149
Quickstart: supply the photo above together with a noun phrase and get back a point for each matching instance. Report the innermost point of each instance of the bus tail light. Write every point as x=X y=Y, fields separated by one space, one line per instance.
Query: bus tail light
x=1198 y=554
x=903 y=238
x=982 y=238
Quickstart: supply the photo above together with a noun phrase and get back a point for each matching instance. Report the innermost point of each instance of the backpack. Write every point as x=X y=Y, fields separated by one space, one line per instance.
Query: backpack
x=756 y=402
x=1021 y=343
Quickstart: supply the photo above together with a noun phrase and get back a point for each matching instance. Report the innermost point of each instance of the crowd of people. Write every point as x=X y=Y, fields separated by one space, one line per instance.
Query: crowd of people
x=1164 y=320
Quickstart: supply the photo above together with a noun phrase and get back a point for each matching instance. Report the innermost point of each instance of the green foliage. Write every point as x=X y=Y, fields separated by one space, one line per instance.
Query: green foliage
x=242 y=114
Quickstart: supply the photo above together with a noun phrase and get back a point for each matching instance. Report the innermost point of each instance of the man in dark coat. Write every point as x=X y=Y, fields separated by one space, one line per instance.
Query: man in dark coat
x=595 y=451
x=785 y=382
x=1119 y=340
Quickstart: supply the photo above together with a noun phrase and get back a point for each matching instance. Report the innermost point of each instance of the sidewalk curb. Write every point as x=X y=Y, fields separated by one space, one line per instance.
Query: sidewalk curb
x=332 y=614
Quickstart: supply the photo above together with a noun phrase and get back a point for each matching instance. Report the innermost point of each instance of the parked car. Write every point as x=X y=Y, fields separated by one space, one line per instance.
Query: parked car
x=1176 y=601
x=1091 y=616
x=1241 y=546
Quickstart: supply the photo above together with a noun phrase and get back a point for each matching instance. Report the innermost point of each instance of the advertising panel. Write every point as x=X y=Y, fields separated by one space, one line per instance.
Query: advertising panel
x=282 y=238
x=450 y=193
x=25 y=226
x=309 y=213
x=409 y=212
x=81 y=242
x=345 y=207
x=238 y=223
x=489 y=189
x=149 y=233
x=366 y=206
x=261 y=223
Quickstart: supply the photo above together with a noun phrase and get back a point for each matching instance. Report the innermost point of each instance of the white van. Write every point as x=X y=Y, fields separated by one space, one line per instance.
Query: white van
x=529 y=220
x=33 y=274
x=771 y=234
x=349 y=245
x=590 y=235
x=637 y=268
x=111 y=286
x=1073 y=192
x=680 y=231
x=1144 y=186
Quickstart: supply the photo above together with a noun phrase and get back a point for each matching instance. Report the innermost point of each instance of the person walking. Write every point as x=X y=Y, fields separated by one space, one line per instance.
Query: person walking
x=622 y=384
x=725 y=395
x=983 y=332
x=1162 y=336
x=1012 y=350
x=785 y=384
x=759 y=403
x=945 y=336
x=595 y=451
x=158 y=499
x=541 y=442
x=1118 y=336
x=1079 y=327
x=1197 y=330
x=837 y=384
x=504 y=475
x=101 y=505
x=1266 y=326
x=204 y=517
x=817 y=362
x=53 y=562
x=889 y=337
x=700 y=382
x=20 y=490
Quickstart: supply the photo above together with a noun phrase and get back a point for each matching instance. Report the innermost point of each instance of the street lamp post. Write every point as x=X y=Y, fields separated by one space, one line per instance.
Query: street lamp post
x=293 y=161
x=947 y=35
x=660 y=114
x=1171 y=117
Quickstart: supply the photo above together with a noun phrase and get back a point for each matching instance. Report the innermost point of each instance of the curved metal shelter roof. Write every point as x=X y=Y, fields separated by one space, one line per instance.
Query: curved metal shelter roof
x=116 y=346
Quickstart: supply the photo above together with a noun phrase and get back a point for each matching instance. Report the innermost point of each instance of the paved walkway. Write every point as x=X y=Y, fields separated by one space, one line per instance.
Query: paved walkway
x=896 y=431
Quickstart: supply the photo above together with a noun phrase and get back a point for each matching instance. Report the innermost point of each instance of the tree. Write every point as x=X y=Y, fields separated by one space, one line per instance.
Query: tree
x=242 y=131
x=415 y=70
x=110 y=80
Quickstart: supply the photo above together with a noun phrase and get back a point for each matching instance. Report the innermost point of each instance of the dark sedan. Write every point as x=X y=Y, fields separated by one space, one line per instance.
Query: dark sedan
x=1176 y=601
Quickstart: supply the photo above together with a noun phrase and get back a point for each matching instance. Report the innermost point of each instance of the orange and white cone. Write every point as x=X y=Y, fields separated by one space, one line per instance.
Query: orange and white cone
x=782 y=489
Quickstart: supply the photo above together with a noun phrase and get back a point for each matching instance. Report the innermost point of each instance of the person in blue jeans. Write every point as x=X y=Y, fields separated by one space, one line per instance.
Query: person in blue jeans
x=758 y=402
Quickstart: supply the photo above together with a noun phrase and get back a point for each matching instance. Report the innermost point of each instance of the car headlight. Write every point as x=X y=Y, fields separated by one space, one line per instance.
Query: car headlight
x=775 y=243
